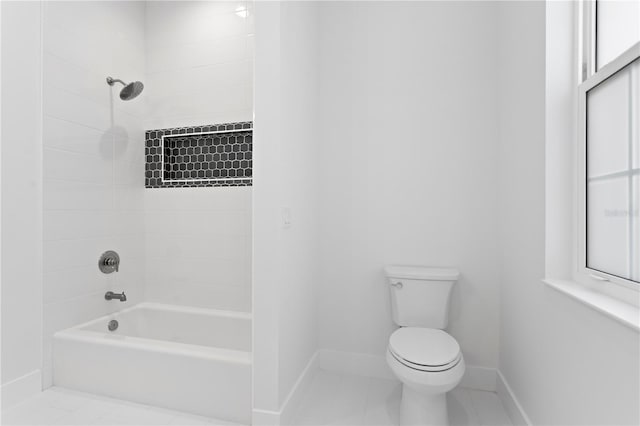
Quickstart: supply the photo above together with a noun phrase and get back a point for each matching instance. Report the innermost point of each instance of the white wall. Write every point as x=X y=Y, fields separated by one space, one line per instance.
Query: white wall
x=267 y=219
x=409 y=165
x=287 y=173
x=300 y=151
x=93 y=161
x=566 y=363
x=21 y=201
x=199 y=71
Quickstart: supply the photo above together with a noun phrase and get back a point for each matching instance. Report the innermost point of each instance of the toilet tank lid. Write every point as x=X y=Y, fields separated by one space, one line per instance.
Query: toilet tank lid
x=421 y=273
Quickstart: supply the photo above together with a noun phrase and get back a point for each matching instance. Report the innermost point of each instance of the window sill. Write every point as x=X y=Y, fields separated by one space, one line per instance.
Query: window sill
x=622 y=312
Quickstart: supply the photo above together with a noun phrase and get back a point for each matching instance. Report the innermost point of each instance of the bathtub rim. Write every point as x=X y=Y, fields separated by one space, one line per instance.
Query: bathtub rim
x=79 y=333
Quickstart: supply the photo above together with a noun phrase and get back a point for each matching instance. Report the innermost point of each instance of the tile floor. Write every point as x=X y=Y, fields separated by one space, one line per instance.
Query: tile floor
x=333 y=399
x=57 y=406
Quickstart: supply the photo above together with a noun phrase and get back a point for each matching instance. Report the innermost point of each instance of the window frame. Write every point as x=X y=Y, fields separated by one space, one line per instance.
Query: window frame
x=590 y=78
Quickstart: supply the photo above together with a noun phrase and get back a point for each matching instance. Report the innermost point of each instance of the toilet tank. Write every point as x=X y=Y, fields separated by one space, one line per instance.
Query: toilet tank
x=420 y=295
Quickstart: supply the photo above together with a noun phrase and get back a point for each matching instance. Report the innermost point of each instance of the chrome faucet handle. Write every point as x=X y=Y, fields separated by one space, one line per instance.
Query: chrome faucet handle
x=109 y=262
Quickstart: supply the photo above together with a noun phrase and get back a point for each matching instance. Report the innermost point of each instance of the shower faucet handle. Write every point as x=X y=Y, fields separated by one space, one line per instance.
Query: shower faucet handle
x=109 y=262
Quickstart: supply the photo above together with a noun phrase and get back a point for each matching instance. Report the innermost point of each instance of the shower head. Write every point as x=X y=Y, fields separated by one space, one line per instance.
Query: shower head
x=129 y=91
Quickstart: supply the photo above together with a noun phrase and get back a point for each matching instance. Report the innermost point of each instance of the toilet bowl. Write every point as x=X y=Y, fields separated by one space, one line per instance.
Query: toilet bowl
x=429 y=364
x=424 y=357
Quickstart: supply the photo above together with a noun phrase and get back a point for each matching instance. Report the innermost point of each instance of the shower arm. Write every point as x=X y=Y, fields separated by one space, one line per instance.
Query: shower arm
x=111 y=81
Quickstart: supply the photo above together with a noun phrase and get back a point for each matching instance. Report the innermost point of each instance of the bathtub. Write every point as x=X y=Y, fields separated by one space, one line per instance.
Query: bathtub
x=181 y=358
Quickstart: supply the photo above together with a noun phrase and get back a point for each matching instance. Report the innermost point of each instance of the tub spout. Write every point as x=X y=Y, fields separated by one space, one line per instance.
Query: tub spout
x=111 y=295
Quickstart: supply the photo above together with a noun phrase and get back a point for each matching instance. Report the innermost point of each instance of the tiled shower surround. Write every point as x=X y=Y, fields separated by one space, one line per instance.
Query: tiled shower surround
x=199 y=156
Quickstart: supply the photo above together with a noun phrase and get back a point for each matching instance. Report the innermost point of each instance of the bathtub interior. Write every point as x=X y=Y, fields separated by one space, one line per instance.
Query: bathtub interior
x=169 y=323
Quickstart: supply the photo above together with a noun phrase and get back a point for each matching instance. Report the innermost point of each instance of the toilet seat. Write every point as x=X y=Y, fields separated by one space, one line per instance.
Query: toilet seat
x=425 y=349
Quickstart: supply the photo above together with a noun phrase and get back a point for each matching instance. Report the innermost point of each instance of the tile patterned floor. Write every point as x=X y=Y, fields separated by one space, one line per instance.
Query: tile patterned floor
x=57 y=406
x=335 y=399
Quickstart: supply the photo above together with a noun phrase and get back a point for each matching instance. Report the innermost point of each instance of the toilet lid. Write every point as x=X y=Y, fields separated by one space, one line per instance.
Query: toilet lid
x=424 y=346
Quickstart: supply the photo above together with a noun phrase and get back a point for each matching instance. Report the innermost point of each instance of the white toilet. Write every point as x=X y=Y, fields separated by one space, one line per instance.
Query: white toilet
x=426 y=359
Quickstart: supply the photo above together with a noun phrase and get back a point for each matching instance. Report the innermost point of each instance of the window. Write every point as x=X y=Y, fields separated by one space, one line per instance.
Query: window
x=617 y=28
x=609 y=160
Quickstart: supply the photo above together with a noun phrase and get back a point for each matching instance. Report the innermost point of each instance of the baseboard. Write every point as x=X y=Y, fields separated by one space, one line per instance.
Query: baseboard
x=479 y=378
x=302 y=385
x=286 y=414
x=20 y=389
x=368 y=365
x=510 y=402
x=265 y=417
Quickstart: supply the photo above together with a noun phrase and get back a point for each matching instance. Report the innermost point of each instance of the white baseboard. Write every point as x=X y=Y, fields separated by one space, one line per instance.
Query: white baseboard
x=479 y=378
x=368 y=365
x=21 y=388
x=265 y=417
x=286 y=414
x=302 y=385
x=511 y=403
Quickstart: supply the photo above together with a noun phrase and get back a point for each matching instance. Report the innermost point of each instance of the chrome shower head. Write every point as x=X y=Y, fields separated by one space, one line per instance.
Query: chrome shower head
x=129 y=91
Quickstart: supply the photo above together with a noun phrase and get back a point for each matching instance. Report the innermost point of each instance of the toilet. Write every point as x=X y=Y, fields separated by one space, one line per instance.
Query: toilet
x=424 y=357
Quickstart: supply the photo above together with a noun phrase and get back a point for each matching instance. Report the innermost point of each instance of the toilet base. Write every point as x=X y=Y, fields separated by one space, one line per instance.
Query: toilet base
x=420 y=409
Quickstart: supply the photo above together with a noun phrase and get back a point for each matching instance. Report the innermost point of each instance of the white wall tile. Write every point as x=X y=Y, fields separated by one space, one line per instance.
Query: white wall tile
x=78 y=224
x=198 y=54
x=194 y=223
x=216 y=99
x=71 y=166
x=69 y=136
x=191 y=22
x=190 y=81
x=223 y=198
x=64 y=105
x=73 y=282
x=196 y=119
x=199 y=65
x=93 y=160
x=202 y=247
x=69 y=195
x=198 y=72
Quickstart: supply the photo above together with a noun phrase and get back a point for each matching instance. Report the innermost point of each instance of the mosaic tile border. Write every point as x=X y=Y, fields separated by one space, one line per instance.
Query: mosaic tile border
x=211 y=155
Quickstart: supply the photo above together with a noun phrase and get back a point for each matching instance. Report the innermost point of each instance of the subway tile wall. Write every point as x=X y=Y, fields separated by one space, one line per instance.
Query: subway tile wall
x=93 y=191
x=179 y=245
x=199 y=61
x=198 y=247
x=198 y=239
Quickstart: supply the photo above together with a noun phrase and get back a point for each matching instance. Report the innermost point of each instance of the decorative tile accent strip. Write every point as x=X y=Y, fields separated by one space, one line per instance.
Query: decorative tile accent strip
x=214 y=155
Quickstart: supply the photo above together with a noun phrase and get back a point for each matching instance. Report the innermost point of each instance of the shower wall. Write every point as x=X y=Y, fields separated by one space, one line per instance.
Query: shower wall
x=93 y=161
x=199 y=71
x=199 y=63
x=190 y=245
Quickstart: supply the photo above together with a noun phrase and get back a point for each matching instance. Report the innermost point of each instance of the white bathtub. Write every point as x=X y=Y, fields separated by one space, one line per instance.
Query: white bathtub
x=187 y=359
